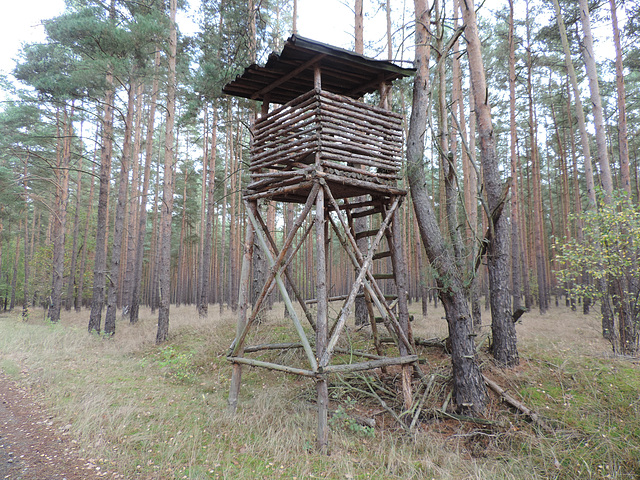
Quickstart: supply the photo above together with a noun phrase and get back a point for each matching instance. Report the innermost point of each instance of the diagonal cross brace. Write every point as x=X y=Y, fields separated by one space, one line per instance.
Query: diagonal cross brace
x=371 y=285
x=238 y=342
x=276 y=268
x=364 y=267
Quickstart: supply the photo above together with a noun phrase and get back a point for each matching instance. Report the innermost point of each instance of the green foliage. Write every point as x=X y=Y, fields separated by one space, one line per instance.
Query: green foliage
x=178 y=365
x=609 y=250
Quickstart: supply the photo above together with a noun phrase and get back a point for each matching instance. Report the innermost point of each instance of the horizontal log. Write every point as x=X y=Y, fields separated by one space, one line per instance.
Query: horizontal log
x=367 y=233
x=340 y=152
x=337 y=298
x=360 y=366
x=271 y=346
x=380 y=255
x=362 y=120
x=284 y=135
x=354 y=103
x=289 y=189
x=295 y=124
x=375 y=146
x=272 y=366
x=291 y=105
x=351 y=168
x=369 y=186
x=366 y=213
x=384 y=276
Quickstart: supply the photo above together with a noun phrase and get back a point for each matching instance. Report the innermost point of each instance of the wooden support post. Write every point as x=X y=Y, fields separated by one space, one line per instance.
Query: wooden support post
x=243 y=305
x=399 y=269
x=321 y=321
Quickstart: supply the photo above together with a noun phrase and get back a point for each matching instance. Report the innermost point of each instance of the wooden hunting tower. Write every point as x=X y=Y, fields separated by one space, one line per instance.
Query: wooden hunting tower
x=341 y=159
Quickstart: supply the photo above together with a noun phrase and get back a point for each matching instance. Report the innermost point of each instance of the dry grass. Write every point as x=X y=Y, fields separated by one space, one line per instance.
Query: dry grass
x=160 y=412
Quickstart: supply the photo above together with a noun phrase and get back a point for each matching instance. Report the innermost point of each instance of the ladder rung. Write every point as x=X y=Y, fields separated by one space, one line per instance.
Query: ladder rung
x=384 y=276
x=366 y=233
x=380 y=255
x=365 y=213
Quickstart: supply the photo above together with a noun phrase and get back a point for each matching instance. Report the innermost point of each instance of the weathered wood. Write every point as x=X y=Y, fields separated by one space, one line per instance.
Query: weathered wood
x=251 y=207
x=276 y=266
x=516 y=404
x=349 y=168
x=272 y=346
x=360 y=366
x=347 y=102
x=271 y=366
x=375 y=187
x=364 y=267
x=243 y=304
x=280 y=190
x=292 y=74
x=321 y=318
x=370 y=286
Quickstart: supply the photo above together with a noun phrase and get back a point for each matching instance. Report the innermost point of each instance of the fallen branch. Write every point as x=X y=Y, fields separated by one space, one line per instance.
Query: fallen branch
x=516 y=404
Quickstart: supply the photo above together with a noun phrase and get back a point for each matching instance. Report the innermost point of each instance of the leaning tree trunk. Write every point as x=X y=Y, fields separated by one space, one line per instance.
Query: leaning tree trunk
x=469 y=390
x=505 y=350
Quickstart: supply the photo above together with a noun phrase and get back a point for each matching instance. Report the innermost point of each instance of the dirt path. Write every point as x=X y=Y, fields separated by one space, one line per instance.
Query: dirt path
x=33 y=446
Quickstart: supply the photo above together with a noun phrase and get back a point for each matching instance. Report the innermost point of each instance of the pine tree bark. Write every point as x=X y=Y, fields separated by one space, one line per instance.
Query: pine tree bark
x=132 y=228
x=69 y=300
x=582 y=125
x=596 y=101
x=516 y=292
x=205 y=265
x=100 y=262
x=623 y=143
x=164 y=279
x=142 y=216
x=469 y=390
x=538 y=225
x=120 y=217
x=60 y=216
x=505 y=349
x=87 y=223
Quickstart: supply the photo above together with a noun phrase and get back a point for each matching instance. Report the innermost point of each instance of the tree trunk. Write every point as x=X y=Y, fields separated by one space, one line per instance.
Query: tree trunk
x=164 y=278
x=118 y=229
x=623 y=143
x=205 y=266
x=582 y=126
x=14 y=277
x=503 y=329
x=60 y=216
x=469 y=390
x=142 y=216
x=516 y=292
x=69 y=300
x=100 y=262
x=596 y=101
x=132 y=229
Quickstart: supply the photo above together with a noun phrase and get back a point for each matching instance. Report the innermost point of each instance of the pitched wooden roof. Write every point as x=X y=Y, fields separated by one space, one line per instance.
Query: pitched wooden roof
x=290 y=74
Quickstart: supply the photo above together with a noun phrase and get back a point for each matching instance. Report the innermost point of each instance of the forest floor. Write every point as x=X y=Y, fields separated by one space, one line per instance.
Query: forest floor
x=80 y=406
